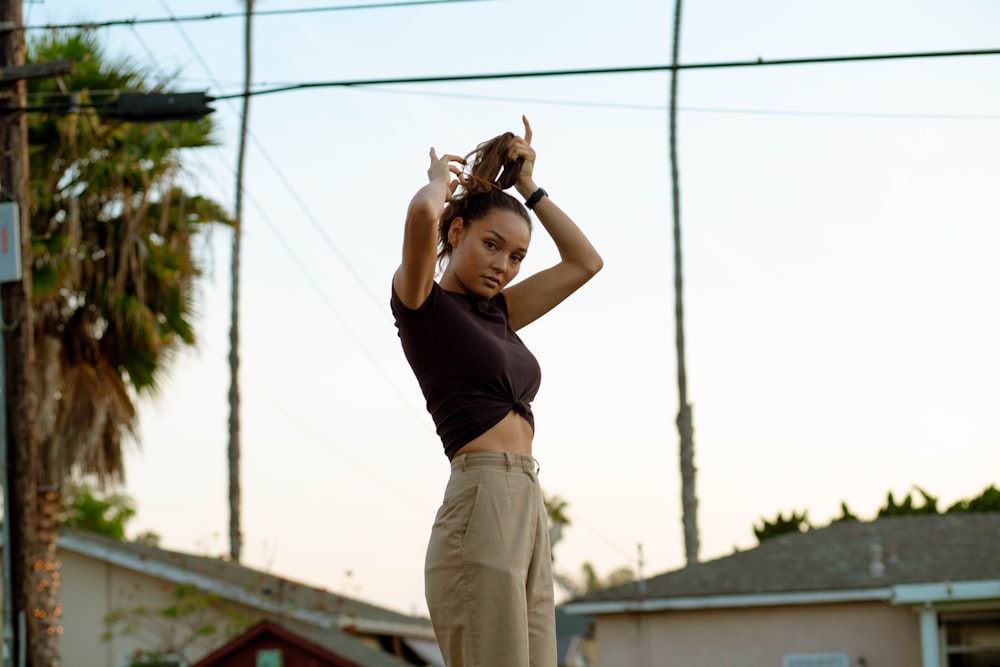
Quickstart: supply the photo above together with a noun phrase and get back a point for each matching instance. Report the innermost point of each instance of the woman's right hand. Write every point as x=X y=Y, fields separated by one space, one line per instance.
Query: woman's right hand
x=443 y=167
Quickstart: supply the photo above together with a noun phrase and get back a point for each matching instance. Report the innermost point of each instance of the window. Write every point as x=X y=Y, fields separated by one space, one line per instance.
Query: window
x=143 y=659
x=971 y=640
x=270 y=658
x=816 y=660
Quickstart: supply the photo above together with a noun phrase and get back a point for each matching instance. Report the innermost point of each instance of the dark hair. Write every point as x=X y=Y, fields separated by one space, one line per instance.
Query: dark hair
x=483 y=190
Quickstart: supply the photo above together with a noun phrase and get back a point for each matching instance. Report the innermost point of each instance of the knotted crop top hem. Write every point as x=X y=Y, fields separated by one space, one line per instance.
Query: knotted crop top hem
x=472 y=368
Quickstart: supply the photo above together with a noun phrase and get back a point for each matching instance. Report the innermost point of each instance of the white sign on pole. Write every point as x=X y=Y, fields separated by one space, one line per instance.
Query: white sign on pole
x=10 y=242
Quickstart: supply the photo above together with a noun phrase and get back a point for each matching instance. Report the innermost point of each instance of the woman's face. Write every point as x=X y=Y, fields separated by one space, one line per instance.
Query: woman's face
x=487 y=254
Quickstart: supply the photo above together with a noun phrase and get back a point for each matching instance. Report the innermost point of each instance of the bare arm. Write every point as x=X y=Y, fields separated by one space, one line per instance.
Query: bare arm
x=415 y=275
x=579 y=261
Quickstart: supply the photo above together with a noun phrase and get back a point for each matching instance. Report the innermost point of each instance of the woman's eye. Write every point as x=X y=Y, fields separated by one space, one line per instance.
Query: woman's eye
x=516 y=259
x=491 y=245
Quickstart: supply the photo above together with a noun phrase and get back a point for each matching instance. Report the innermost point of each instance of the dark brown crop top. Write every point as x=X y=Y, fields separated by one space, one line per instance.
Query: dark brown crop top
x=471 y=366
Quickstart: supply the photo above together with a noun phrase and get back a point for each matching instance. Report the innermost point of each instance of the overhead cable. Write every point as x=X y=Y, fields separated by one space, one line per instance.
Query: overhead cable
x=295 y=259
x=628 y=106
x=760 y=62
x=91 y=25
x=687 y=109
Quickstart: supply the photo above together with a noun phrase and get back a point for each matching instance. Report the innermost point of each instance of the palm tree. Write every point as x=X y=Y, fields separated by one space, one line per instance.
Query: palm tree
x=235 y=497
x=113 y=271
x=685 y=422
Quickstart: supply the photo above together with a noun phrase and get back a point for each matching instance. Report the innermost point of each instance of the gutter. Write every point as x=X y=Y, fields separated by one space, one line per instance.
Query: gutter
x=948 y=591
x=726 y=601
x=178 y=575
x=902 y=594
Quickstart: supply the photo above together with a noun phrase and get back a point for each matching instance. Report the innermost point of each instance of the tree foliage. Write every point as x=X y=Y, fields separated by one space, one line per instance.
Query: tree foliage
x=987 y=501
x=907 y=505
x=588 y=579
x=113 y=265
x=113 y=272
x=781 y=525
x=188 y=618
x=90 y=509
x=845 y=513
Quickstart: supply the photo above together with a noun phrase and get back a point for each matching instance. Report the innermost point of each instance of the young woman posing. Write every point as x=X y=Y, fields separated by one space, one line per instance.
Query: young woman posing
x=488 y=575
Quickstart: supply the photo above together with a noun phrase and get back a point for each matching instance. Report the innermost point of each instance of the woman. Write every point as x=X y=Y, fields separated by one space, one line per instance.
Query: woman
x=488 y=572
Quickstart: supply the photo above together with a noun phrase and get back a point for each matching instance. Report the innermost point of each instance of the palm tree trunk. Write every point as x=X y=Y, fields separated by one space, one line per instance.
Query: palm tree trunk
x=685 y=426
x=235 y=500
x=45 y=566
x=48 y=615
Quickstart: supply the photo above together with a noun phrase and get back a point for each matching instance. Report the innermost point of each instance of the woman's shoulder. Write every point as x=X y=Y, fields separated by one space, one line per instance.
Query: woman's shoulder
x=401 y=309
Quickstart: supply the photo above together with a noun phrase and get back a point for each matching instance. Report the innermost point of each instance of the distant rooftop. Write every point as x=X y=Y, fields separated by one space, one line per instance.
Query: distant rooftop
x=248 y=585
x=844 y=556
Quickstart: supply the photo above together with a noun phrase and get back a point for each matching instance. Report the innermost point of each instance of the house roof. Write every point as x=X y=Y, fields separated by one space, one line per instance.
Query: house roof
x=867 y=560
x=269 y=593
x=331 y=647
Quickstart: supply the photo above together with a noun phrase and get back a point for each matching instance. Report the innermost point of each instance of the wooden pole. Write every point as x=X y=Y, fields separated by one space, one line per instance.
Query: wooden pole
x=35 y=70
x=19 y=352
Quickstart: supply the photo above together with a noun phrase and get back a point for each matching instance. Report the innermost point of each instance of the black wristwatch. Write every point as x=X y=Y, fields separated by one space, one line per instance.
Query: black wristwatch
x=535 y=198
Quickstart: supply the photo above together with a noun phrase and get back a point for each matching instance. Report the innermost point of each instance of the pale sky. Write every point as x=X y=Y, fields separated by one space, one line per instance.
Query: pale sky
x=840 y=227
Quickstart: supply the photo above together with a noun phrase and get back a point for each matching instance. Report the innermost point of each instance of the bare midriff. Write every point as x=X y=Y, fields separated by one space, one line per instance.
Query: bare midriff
x=513 y=434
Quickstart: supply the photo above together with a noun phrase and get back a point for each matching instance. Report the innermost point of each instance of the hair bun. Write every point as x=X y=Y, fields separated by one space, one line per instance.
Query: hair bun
x=490 y=166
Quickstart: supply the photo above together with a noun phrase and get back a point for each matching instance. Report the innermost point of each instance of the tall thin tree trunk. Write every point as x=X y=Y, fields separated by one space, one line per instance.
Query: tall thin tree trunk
x=685 y=426
x=235 y=500
x=45 y=570
x=47 y=579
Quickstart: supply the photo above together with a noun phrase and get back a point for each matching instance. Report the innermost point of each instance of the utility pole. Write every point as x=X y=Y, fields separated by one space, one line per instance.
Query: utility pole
x=18 y=390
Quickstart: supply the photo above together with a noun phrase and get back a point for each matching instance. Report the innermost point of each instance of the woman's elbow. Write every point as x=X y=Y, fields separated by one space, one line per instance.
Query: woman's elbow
x=422 y=209
x=594 y=265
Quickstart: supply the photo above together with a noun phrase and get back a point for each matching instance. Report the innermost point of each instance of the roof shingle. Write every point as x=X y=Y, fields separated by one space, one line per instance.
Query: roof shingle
x=843 y=556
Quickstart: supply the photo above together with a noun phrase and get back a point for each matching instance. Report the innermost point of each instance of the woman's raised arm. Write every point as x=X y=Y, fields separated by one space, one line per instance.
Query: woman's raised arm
x=579 y=261
x=415 y=275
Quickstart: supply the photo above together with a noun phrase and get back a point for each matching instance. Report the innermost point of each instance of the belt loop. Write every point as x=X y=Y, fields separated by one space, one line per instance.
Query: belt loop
x=465 y=462
x=538 y=466
x=506 y=460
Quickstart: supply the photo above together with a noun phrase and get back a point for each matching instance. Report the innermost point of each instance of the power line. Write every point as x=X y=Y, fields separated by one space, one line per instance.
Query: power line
x=662 y=107
x=889 y=115
x=92 y=25
x=287 y=183
x=298 y=263
x=760 y=62
x=324 y=297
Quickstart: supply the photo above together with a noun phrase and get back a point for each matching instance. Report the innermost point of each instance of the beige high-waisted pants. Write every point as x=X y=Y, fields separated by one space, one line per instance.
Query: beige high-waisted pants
x=488 y=573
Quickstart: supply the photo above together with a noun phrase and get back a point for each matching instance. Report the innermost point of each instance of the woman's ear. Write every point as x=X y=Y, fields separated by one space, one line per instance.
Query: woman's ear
x=455 y=232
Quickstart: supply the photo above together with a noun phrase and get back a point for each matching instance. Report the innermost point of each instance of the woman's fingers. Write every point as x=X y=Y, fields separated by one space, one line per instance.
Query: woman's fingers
x=520 y=148
x=446 y=158
x=442 y=166
x=527 y=129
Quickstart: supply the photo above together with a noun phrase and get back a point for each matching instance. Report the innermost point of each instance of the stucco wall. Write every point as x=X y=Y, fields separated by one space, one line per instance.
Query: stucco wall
x=92 y=589
x=883 y=635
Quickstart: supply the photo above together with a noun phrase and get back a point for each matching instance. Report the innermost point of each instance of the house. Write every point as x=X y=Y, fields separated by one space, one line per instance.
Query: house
x=269 y=644
x=574 y=646
x=906 y=591
x=123 y=599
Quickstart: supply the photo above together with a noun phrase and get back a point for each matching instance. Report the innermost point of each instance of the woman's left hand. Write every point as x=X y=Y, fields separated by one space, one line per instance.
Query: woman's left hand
x=521 y=148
